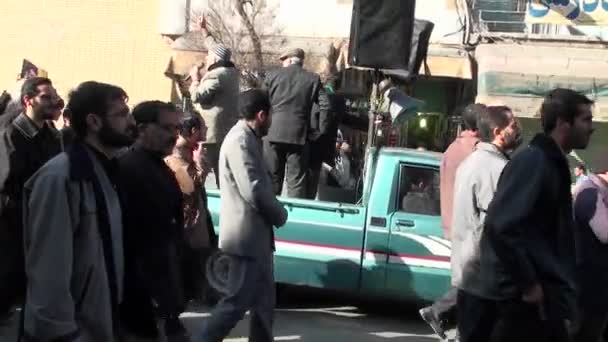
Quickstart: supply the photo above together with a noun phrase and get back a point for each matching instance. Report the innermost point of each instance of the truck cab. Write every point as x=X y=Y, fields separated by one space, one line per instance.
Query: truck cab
x=390 y=243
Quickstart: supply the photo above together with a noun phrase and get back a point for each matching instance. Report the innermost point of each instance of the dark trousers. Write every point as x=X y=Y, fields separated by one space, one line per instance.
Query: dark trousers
x=213 y=158
x=295 y=159
x=445 y=307
x=590 y=327
x=476 y=317
x=12 y=269
x=519 y=321
x=314 y=173
x=321 y=150
x=250 y=287
x=193 y=272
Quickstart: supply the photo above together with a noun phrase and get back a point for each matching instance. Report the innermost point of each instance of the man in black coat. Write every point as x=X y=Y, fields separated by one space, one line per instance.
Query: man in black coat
x=26 y=144
x=527 y=248
x=325 y=119
x=292 y=91
x=153 y=226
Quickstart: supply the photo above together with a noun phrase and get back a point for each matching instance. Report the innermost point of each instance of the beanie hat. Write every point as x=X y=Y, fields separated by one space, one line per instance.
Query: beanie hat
x=221 y=52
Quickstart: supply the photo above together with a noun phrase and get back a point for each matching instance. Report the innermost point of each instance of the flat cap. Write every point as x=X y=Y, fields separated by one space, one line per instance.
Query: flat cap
x=299 y=53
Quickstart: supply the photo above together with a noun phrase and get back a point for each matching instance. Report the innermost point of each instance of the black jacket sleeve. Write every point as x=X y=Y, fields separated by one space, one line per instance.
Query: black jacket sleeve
x=326 y=115
x=5 y=150
x=509 y=221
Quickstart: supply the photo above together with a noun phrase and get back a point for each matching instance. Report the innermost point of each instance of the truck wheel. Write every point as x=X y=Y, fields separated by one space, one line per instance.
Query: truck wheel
x=216 y=270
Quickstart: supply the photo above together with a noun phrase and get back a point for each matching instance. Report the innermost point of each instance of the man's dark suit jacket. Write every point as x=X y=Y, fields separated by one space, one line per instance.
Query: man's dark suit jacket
x=292 y=92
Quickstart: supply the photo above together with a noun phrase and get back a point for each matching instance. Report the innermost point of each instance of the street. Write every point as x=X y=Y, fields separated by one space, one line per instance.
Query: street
x=310 y=315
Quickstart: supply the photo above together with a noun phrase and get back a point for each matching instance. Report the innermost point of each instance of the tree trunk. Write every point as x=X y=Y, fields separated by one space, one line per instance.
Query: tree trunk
x=258 y=63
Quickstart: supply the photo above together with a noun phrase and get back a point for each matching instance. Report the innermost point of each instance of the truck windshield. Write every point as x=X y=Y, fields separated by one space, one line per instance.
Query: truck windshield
x=419 y=190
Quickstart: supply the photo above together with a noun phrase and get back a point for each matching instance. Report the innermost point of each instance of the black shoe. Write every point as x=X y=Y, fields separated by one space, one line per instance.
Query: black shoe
x=429 y=316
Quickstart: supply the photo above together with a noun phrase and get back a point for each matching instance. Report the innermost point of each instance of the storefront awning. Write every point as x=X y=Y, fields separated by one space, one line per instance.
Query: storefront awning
x=440 y=62
x=519 y=75
x=448 y=66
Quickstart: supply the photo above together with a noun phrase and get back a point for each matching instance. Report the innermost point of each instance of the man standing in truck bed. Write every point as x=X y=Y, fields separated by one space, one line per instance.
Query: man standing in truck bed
x=292 y=92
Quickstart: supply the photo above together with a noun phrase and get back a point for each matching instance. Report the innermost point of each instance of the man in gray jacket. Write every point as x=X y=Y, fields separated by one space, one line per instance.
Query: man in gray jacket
x=474 y=187
x=215 y=96
x=73 y=227
x=249 y=211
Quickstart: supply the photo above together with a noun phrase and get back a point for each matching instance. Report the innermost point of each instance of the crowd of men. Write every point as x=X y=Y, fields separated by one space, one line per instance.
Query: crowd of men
x=104 y=226
x=306 y=116
x=529 y=259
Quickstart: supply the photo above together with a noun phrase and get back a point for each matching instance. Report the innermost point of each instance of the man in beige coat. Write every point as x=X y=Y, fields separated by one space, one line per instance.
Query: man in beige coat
x=215 y=96
x=249 y=211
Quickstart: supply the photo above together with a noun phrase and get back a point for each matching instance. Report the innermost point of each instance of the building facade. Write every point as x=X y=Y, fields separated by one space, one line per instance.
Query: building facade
x=519 y=62
x=114 y=41
x=483 y=50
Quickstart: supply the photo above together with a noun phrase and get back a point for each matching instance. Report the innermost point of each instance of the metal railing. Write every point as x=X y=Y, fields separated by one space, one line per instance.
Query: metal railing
x=502 y=21
x=495 y=20
x=505 y=17
x=513 y=22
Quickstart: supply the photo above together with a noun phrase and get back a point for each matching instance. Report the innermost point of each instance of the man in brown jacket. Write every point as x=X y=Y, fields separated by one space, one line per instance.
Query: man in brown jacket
x=458 y=151
x=198 y=228
x=440 y=315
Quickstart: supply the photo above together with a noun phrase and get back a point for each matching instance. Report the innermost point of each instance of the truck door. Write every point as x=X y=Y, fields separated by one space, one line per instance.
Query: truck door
x=320 y=245
x=419 y=257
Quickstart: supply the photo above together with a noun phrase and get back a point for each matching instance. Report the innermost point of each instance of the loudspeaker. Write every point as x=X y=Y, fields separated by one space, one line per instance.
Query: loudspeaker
x=401 y=106
x=420 y=45
x=381 y=33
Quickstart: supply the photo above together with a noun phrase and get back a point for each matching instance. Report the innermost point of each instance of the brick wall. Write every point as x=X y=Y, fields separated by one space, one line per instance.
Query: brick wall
x=113 y=41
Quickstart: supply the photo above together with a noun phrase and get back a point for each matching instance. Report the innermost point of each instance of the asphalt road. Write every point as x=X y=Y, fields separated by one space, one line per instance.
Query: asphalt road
x=310 y=315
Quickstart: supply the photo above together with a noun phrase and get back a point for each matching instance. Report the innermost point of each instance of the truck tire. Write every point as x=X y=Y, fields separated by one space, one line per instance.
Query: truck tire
x=216 y=270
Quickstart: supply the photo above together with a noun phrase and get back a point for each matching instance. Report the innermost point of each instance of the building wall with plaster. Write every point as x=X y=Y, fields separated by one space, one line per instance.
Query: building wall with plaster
x=113 y=41
x=119 y=41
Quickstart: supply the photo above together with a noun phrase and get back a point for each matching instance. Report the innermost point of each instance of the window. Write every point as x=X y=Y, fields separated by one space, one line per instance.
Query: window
x=419 y=190
x=500 y=16
x=506 y=17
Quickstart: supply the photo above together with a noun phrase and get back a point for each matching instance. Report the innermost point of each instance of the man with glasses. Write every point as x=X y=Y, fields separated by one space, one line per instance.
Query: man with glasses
x=154 y=227
x=26 y=144
x=73 y=227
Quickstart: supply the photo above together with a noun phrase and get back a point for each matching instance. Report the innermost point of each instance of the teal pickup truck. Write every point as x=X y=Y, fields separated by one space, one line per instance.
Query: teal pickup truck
x=386 y=242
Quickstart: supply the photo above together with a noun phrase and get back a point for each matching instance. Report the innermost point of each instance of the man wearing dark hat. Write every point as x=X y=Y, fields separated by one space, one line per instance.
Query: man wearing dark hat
x=292 y=92
x=215 y=96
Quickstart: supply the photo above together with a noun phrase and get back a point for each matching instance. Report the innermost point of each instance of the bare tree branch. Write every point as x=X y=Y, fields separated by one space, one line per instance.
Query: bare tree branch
x=243 y=26
x=253 y=35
